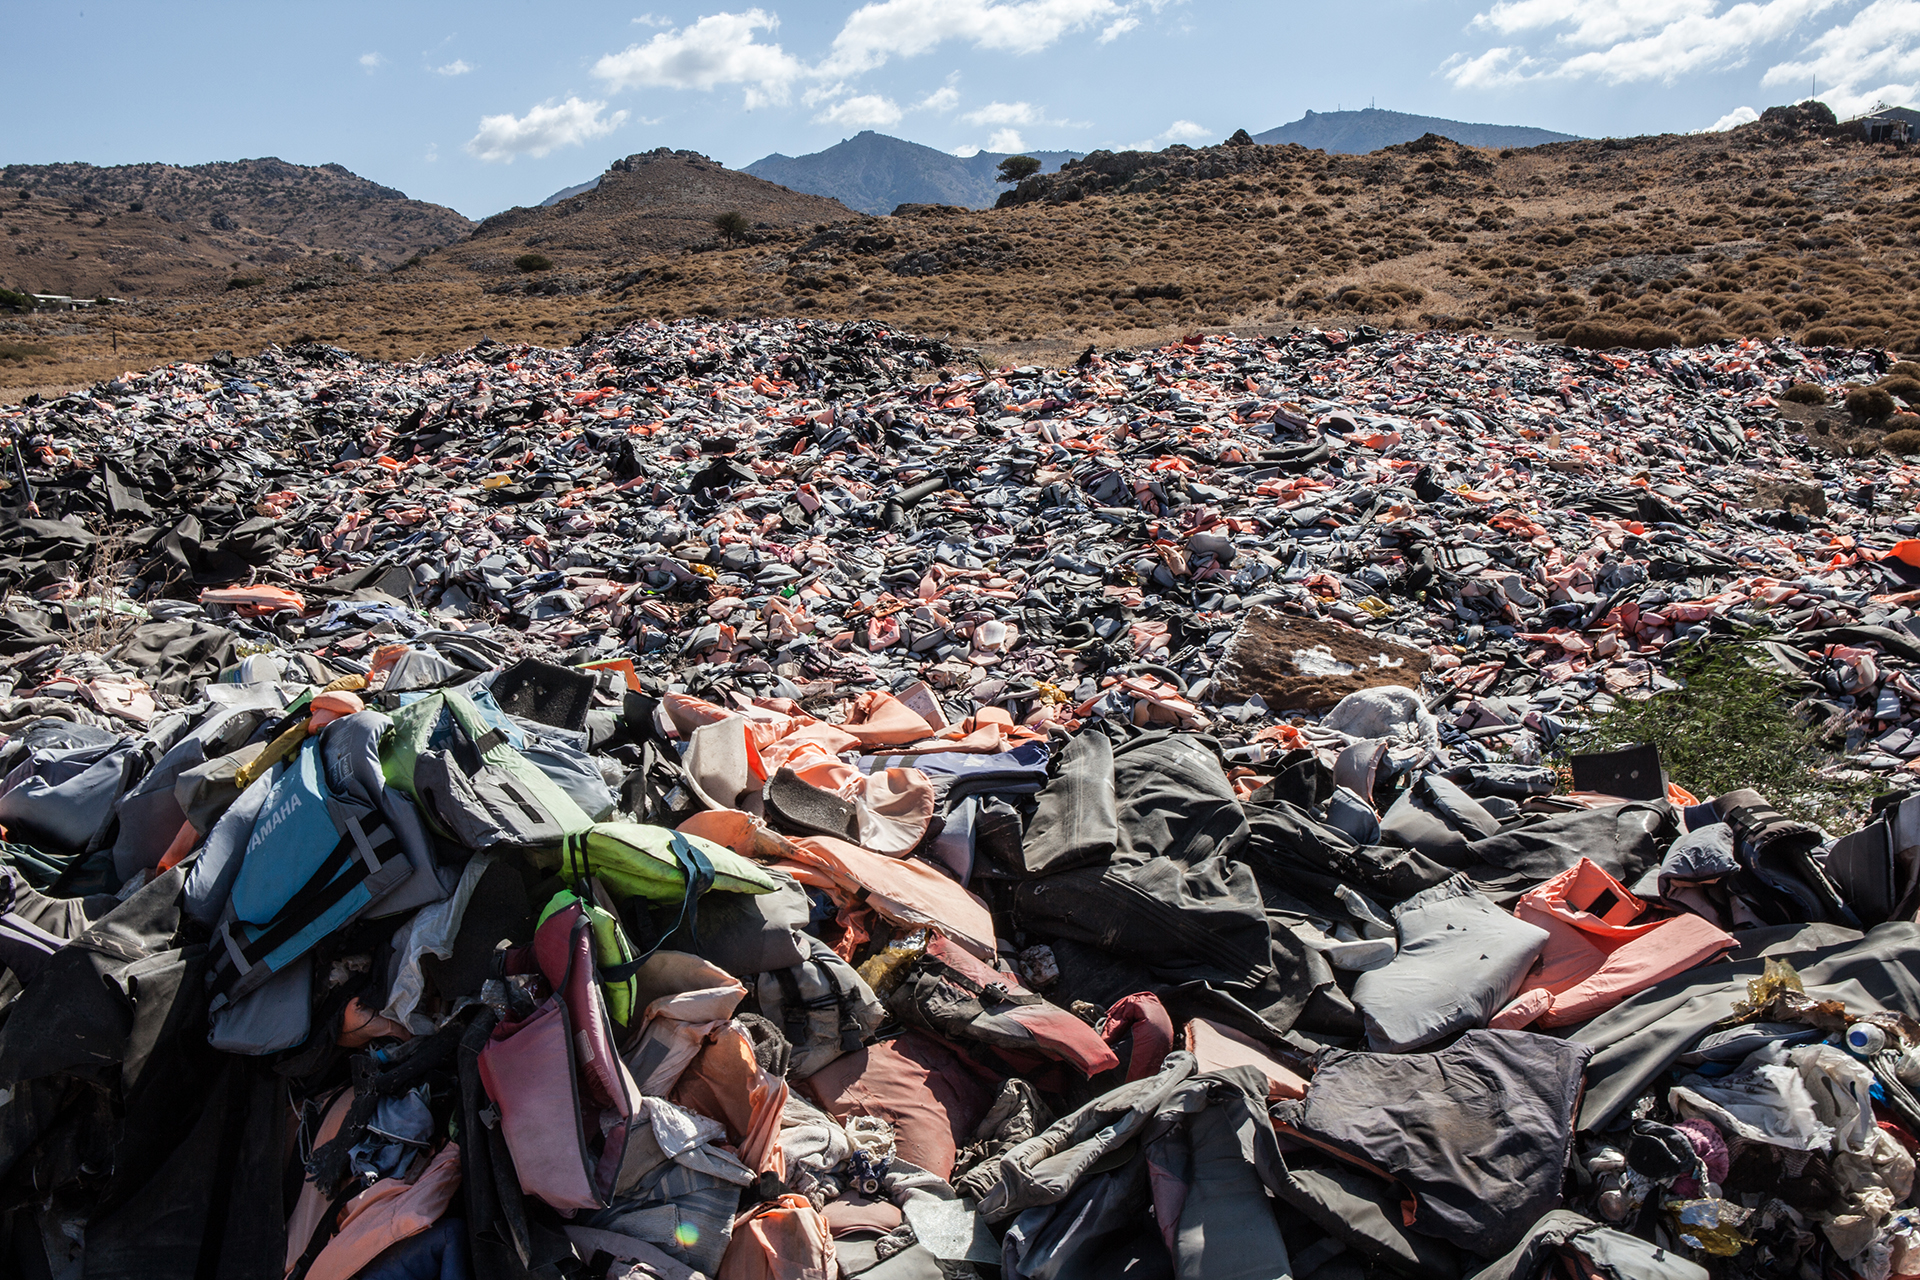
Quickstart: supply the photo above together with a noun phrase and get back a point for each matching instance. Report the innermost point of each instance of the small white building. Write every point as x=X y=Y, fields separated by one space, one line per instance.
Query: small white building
x=1888 y=124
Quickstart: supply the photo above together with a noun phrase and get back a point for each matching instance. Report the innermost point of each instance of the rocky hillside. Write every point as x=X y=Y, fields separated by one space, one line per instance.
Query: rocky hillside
x=160 y=230
x=877 y=174
x=1788 y=225
x=656 y=202
x=1358 y=132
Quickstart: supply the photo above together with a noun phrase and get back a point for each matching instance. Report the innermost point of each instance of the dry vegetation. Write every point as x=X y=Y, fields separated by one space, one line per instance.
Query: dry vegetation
x=1777 y=227
x=160 y=231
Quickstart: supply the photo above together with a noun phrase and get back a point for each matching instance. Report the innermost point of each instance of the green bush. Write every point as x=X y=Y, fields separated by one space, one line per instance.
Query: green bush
x=1869 y=402
x=1804 y=393
x=1732 y=725
x=533 y=262
x=11 y=301
x=1016 y=169
x=732 y=225
x=245 y=282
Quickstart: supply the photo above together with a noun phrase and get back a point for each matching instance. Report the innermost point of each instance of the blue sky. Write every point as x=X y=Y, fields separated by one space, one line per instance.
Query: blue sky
x=482 y=106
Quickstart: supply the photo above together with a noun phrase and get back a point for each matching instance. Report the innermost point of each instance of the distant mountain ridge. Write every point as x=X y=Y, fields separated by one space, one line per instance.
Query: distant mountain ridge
x=1360 y=132
x=876 y=174
x=567 y=193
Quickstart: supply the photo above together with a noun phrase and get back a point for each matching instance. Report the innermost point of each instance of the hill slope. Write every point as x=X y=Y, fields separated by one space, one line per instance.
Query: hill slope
x=1358 y=132
x=658 y=201
x=1790 y=225
x=159 y=230
x=877 y=174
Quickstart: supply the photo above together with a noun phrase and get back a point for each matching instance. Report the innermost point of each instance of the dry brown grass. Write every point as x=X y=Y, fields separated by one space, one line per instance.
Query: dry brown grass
x=1650 y=241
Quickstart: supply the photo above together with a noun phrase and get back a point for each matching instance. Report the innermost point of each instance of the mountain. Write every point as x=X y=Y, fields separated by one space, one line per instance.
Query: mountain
x=1356 y=133
x=157 y=230
x=658 y=201
x=877 y=174
x=567 y=193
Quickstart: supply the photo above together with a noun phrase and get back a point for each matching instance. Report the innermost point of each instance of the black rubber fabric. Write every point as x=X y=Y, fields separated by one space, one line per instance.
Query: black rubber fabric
x=1076 y=821
x=1478 y=1133
x=1174 y=800
x=1199 y=923
x=545 y=693
x=1632 y=773
x=799 y=808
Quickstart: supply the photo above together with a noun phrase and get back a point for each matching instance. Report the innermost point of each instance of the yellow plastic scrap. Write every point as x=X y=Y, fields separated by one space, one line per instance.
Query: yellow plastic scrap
x=283 y=746
x=1777 y=979
x=1376 y=606
x=277 y=750
x=885 y=968
x=1711 y=1226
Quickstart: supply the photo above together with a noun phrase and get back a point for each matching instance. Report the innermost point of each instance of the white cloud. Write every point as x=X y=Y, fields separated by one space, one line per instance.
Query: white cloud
x=1006 y=140
x=1624 y=41
x=433 y=152
x=719 y=49
x=945 y=98
x=652 y=20
x=1004 y=113
x=1696 y=42
x=1604 y=22
x=458 y=67
x=1732 y=120
x=547 y=126
x=877 y=32
x=1871 y=59
x=1495 y=69
x=966 y=151
x=370 y=61
x=1178 y=131
x=869 y=111
x=1117 y=28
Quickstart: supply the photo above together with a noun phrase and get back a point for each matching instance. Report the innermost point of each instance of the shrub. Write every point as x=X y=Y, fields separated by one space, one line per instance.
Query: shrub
x=245 y=282
x=1601 y=337
x=1904 y=369
x=21 y=350
x=533 y=262
x=1827 y=336
x=732 y=225
x=1869 y=402
x=11 y=301
x=1373 y=298
x=1905 y=442
x=1804 y=393
x=1907 y=389
x=1732 y=725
